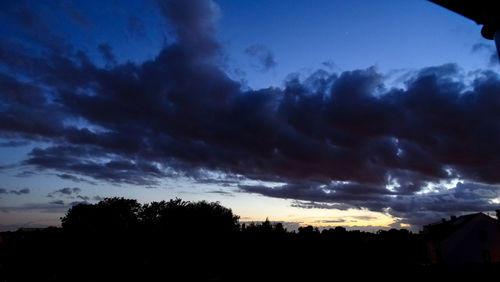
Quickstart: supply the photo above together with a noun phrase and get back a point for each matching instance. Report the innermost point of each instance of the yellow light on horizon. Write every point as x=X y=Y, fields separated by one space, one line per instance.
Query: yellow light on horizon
x=281 y=210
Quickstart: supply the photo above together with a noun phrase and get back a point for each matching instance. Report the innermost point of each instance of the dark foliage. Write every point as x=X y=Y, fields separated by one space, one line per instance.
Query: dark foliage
x=119 y=239
x=109 y=215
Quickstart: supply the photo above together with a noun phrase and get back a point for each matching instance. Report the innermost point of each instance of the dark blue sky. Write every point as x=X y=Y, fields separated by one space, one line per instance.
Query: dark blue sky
x=372 y=113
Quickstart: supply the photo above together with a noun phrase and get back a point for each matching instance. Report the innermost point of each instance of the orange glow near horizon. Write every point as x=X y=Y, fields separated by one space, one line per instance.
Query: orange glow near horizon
x=281 y=210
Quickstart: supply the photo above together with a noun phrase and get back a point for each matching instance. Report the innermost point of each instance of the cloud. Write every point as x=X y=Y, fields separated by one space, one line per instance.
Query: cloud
x=342 y=140
x=415 y=209
x=107 y=53
x=23 y=191
x=264 y=56
x=332 y=221
x=97 y=198
x=73 y=178
x=57 y=206
x=74 y=203
x=20 y=192
x=14 y=143
x=488 y=49
x=135 y=27
x=221 y=192
x=28 y=18
x=364 y=217
x=194 y=24
x=76 y=16
x=71 y=193
x=78 y=159
x=319 y=205
x=68 y=191
x=83 y=198
x=57 y=202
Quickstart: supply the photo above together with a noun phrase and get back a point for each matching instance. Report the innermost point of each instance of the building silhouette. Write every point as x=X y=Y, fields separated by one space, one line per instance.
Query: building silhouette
x=472 y=239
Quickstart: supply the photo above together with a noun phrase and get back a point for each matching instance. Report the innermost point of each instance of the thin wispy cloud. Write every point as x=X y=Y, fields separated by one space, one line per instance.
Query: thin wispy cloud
x=264 y=58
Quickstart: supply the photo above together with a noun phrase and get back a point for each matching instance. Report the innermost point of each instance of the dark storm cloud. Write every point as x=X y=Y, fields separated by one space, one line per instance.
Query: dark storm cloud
x=350 y=195
x=264 y=56
x=83 y=161
x=23 y=106
x=343 y=140
x=193 y=23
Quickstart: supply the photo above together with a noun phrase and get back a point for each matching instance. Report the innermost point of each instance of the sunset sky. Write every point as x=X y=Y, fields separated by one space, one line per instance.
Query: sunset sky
x=364 y=114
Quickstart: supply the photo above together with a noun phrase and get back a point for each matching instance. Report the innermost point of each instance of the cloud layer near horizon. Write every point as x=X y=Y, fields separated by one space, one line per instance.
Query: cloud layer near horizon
x=346 y=139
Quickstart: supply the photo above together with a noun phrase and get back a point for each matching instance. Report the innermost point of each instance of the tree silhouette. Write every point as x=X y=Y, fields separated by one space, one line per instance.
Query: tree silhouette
x=186 y=217
x=109 y=215
x=175 y=217
x=120 y=239
x=278 y=227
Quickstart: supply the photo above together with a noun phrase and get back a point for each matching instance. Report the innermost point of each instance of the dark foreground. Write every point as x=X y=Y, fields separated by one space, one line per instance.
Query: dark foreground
x=181 y=241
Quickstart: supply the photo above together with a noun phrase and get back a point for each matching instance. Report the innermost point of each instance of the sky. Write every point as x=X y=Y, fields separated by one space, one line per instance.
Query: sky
x=363 y=114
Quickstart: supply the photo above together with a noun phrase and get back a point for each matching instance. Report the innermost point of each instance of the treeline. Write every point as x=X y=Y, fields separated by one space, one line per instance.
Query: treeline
x=120 y=239
x=118 y=215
